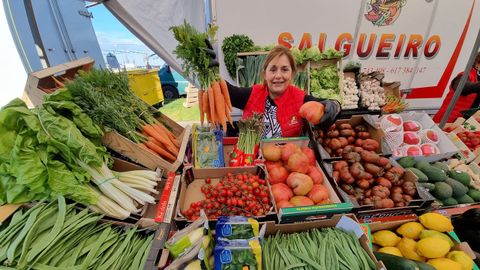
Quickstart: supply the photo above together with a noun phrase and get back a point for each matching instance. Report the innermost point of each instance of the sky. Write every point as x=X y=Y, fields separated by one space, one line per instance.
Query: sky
x=114 y=37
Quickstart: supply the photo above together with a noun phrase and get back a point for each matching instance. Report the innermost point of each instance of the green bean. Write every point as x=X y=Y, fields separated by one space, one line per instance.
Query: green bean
x=306 y=259
x=53 y=233
x=146 y=252
x=28 y=224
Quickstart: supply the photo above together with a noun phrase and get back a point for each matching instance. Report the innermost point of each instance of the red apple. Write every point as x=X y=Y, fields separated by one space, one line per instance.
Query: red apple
x=394 y=119
x=301 y=201
x=411 y=138
x=287 y=150
x=284 y=204
x=300 y=183
x=278 y=175
x=429 y=149
x=411 y=126
x=413 y=150
x=315 y=174
x=432 y=135
x=318 y=193
x=281 y=192
x=310 y=154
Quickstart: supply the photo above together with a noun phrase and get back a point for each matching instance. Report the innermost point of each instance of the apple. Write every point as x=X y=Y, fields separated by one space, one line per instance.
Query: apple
x=315 y=174
x=301 y=201
x=412 y=150
x=411 y=126
x=310 y=154
x=281 y=192
x=300 y=183
x=318 y=193
x=394 y=119
x=278 y=175
x=284 y=204
x=410 y=137
x=431 y=135
x=429 y=149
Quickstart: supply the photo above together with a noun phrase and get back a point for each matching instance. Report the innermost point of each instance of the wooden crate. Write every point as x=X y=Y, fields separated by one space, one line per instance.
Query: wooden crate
x=133 y=151
x=192 y=96
x=45 y=81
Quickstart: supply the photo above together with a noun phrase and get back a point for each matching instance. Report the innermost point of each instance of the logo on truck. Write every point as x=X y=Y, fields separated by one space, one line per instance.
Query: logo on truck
x=384 y=12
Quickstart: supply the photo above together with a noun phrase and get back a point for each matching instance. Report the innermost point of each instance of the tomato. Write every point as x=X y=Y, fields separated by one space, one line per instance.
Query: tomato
x=208 y=180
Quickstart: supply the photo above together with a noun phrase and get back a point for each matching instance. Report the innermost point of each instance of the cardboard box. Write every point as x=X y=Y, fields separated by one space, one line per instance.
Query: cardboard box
x=347 y=222
x=375 y=134
x=133 y=151
x=306 y=213
x=464 y=152
x=196 y=177
x=393 y=225
x=445 y=145
x=45 y=81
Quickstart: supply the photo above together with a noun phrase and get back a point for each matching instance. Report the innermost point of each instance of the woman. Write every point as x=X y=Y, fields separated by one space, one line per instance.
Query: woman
x=278 y=99
x=469 y=98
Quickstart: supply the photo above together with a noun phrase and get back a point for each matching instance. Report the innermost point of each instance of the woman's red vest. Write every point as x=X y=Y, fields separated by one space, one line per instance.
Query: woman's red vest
x=288 y=106
x=463 y=102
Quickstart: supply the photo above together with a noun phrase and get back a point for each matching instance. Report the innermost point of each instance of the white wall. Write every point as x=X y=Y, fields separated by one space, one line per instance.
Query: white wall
x=12 y=73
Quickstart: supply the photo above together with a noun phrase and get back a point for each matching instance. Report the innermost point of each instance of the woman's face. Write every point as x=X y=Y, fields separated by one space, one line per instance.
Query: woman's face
x=278 y=75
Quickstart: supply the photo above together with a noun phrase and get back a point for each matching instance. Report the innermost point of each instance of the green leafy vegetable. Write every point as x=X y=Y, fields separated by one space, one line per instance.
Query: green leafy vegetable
x=324 y=83
x=233 y=45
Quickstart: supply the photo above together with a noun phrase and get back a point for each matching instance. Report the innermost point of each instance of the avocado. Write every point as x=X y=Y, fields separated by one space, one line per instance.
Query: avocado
x=406 y=162
x=422 y=163
x=421 y=176
x=442 y=191
x=442 y=166
x=465 y=199
x=474 y=194
x=429 y=186
x=458 y=188
x=460 y=176
x=449 y=202
x=434 y=174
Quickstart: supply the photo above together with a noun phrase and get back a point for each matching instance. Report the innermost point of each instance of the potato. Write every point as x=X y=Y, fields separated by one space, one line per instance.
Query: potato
x=343 y=141
x=373 y=169
x=345 y=126
x=346 y=132
x=370 y=145
x=369 y=157
x=333 y=133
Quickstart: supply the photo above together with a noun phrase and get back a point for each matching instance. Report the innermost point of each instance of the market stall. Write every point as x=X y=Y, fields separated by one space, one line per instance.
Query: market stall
x=93 y=177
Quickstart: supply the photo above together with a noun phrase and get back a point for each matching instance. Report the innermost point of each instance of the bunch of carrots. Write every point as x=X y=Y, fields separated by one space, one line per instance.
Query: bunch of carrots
x=215 y=104
x=199 y=62
x=394 y=104
x=160 y=141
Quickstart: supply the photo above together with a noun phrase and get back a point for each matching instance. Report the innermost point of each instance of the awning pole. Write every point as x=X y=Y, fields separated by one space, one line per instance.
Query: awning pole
x=462 y=82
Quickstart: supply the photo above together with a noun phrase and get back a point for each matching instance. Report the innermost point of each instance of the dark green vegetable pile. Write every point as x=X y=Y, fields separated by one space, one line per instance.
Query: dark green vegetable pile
x=233 y=45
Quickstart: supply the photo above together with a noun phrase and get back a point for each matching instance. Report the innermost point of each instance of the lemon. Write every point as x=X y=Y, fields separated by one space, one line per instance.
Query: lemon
x=391 y=250
x=461 y=258
x=385 y=238
x=433 y=248
x=437 y=222
x=444 y=264
x=435 y=234
x=410 y=230
x=408 y=248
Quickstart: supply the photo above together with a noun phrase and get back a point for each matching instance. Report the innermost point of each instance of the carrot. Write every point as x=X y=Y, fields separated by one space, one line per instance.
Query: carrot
x=205 y=107
x=169 y=134
x=150 y=144
x=142 y=145
x=211 y=101
x=226 y=94
x=200 y=106
x=220 y=104
x=161 y=137
x=228 y=113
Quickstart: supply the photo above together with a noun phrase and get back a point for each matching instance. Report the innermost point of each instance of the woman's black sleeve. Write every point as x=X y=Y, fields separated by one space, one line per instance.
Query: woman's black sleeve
x=332 y=110
x=239 y=95
x=469 y=88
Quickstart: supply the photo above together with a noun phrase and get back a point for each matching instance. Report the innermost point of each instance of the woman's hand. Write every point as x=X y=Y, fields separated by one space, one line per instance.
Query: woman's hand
x=332 y=110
